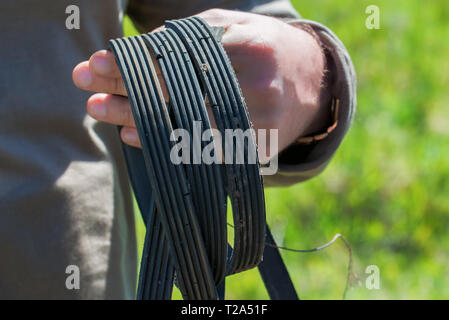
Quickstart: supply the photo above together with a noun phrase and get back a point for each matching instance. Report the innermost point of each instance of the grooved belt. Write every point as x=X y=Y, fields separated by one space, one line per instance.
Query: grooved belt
x=184 y=205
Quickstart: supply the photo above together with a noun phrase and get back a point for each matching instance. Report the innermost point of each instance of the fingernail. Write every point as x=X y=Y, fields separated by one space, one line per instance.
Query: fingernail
x=101 y=65
x=129 y=136
x=98 y=111
x=84 y=78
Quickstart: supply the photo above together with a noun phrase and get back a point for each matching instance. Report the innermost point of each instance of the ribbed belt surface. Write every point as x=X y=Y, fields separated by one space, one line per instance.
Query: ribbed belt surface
x=184 y=205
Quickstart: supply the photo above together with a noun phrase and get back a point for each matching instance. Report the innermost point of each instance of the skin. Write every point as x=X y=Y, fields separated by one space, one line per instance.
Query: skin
x=279 y=67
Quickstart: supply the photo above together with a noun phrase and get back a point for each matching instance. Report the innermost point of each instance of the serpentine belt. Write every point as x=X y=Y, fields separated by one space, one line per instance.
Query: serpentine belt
x=184 y=204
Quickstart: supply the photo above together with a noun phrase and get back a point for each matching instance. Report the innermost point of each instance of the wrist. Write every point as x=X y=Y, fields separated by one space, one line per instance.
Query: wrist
x=322 y=119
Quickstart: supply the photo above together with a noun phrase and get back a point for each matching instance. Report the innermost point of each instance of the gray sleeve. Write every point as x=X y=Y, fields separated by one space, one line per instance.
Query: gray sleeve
x=149 y=14
x=278 y=8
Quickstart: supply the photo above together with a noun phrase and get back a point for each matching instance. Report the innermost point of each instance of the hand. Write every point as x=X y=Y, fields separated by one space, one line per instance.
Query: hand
x=279 y=68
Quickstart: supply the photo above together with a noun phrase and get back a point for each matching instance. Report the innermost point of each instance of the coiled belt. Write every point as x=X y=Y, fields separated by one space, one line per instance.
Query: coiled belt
x=184 y=205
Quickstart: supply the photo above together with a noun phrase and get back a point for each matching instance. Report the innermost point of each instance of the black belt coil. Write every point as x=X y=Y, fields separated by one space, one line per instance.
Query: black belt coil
x=184 y=205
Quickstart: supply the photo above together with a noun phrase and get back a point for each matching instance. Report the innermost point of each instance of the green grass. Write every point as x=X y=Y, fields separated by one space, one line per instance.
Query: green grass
x=387 y=188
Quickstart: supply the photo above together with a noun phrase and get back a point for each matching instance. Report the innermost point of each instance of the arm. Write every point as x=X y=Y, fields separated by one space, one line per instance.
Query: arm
x=302 y=161
x=280 y=69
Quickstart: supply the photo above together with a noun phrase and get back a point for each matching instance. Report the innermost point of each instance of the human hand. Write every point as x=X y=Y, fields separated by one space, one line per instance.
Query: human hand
x=279 y=68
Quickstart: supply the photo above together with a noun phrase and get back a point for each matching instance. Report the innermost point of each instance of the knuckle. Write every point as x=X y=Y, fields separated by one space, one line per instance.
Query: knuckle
x=129 y=118
x=214 y=12
x=119 y=87
x=125 y=116
x=269 y=96
x=115 y=84
x=275 y=90
x=262 y=48
x=268 y=88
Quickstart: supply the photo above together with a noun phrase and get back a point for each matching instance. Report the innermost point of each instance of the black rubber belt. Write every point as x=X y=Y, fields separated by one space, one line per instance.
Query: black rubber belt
x=170 y=189
x=188 y=105
x=186 y=222
x=245 y=255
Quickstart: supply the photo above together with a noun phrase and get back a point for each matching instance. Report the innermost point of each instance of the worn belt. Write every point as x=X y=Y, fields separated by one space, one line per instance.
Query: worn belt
x=184 y=205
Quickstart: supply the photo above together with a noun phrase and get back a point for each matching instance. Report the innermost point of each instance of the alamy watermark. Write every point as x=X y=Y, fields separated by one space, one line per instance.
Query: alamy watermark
x=372 y=281
x=72 y=282
x=373 y=19
x=206 y=147
x=73 y=19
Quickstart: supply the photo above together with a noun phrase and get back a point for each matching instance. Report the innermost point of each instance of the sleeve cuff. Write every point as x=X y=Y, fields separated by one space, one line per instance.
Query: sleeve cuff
x=301 y=162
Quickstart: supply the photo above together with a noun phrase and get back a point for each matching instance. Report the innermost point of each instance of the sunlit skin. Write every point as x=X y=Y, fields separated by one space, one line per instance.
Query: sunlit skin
x=279 y=68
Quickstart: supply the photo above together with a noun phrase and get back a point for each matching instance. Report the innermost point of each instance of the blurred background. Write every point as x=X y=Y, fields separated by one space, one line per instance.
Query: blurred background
x=387 y=188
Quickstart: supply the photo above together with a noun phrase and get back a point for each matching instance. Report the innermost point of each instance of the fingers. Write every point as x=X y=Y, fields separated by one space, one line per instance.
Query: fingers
x=99 y=74
x=111 y=109
x=129 y=136
x=103 y=64
x=115 y=110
